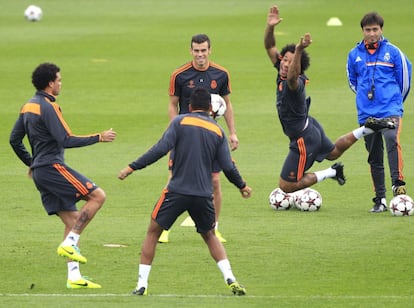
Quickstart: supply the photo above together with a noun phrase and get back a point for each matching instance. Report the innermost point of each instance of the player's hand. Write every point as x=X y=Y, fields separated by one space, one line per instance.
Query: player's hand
x=108 y=135
x=125 y=172
x=30 y=173
x=246 y=192
x=234 y=142
x=305 y=41
x=273 y=16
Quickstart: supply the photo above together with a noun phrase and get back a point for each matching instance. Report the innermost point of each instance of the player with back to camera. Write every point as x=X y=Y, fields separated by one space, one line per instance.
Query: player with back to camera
x=198 y=141
x=308 y=142
x=60 y=186
x=380 y=75
x=215 y=78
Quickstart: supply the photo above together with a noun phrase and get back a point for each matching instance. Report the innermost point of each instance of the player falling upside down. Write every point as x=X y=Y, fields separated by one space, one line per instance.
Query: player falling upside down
x=308 y=142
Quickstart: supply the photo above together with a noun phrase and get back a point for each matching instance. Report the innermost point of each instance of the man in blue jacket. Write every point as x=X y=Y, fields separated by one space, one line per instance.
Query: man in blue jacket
x=380 y=75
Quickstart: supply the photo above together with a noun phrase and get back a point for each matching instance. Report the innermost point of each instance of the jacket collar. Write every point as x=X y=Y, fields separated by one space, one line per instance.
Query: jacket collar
x=47 y=95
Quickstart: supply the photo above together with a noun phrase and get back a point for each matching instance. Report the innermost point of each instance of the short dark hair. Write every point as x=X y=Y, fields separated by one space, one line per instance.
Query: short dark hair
x=43 y=74
x=372 y=18
x=304 y=60
x=200 y=38
x=200 y=99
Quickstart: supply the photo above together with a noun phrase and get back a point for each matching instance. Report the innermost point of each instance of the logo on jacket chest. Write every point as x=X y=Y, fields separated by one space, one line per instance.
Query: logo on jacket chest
x=192 y=84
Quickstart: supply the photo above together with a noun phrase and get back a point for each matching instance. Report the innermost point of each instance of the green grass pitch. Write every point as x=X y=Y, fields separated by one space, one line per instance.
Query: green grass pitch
x=116 y=58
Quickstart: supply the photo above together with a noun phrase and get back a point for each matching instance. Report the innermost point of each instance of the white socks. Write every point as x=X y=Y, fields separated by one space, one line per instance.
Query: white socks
x=71 y=239
x=73 y=266
x=143 y=274
x=145 y=269
x=361 y=132
x=225 y=268
x=74 y=271
x=324 y=174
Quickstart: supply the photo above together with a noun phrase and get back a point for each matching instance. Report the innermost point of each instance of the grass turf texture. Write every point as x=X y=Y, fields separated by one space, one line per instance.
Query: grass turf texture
x=116 y=59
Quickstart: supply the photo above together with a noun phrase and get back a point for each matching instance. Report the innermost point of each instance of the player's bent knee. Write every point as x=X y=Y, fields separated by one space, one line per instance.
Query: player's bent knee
x=288 y=187
x=98 y=195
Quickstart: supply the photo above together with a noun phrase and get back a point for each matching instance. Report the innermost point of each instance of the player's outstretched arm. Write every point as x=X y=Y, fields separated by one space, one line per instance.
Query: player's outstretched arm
x=273 y=19
x=295 y=68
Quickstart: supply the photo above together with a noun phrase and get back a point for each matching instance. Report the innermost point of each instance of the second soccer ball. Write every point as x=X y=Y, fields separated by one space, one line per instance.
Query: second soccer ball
x=218 y=106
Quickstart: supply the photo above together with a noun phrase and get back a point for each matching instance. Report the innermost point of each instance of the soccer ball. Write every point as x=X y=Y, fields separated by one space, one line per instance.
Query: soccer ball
x=309 y=200
x=295 y=198
x=33 y=13
x=218 y=106
x=402 y=205
x=279 y=200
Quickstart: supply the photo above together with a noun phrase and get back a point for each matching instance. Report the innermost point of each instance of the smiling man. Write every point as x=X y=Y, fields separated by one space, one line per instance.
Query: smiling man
x=201 y=72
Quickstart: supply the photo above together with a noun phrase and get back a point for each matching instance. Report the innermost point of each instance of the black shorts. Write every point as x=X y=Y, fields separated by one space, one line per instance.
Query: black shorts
x=61 y=187
x=313 y=145
x=171 y=205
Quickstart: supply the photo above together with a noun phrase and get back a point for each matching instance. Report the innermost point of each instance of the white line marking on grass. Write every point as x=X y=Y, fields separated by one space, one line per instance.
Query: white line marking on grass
x=343 y=297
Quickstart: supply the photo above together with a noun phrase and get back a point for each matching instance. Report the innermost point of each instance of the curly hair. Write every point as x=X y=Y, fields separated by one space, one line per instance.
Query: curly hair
x=304 y=60
x=43 y=74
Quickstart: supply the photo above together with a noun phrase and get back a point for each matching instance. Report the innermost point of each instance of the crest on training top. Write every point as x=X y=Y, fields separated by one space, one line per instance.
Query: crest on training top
x=213 y=84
